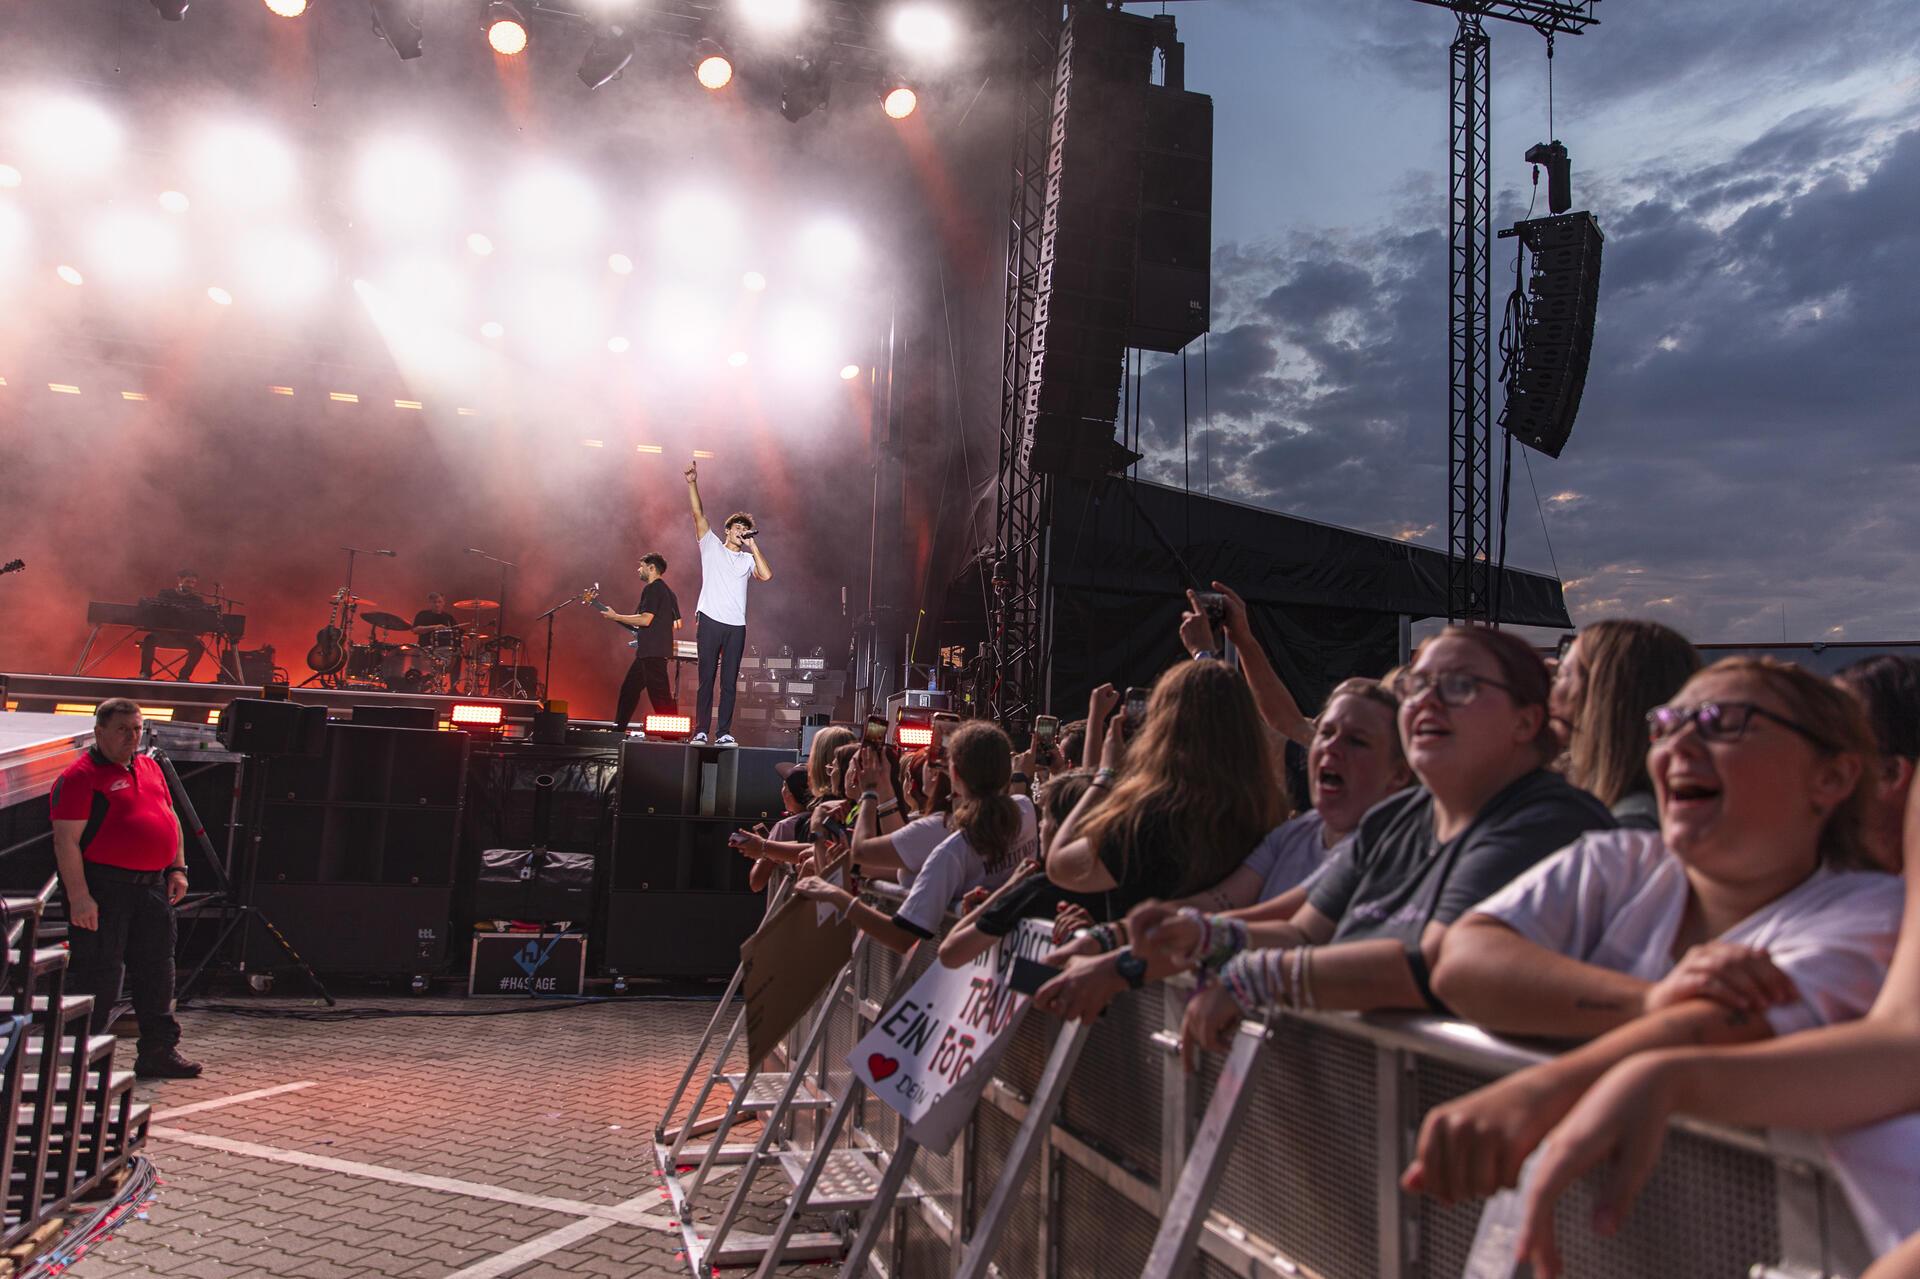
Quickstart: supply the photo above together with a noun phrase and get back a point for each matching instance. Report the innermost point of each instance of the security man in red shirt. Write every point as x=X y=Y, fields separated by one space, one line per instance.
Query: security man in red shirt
x=122 y=859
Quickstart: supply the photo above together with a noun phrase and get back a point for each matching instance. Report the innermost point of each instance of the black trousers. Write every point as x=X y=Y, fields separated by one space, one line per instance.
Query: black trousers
x=649 y=673
x=719 y=645
x=136 y=934
x=190 y=644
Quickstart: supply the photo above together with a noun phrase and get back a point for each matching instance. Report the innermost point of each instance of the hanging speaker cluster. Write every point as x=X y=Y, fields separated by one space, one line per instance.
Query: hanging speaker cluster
x=1546 y=379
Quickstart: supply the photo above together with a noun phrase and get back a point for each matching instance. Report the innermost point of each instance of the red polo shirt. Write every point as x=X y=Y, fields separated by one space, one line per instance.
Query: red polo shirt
x=128 y=811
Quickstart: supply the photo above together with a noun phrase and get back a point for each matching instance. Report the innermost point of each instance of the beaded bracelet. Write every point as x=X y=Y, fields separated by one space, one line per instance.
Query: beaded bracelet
x=1110 y=936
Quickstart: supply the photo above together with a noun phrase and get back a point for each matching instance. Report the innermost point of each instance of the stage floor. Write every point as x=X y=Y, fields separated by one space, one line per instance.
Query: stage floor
x=420 y=1146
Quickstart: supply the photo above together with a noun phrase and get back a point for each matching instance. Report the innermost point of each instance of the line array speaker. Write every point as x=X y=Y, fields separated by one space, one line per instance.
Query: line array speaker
x=1556 y=335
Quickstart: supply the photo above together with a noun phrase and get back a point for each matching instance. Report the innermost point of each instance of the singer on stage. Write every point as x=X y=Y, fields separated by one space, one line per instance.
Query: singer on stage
x=725 y=567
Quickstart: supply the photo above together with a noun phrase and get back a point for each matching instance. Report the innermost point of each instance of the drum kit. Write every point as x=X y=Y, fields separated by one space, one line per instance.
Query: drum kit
x=459 y=660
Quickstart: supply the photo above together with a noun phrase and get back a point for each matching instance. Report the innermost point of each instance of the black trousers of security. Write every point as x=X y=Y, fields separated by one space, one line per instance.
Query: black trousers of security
x=649 y=673
x=722 y=646
x=136 y=933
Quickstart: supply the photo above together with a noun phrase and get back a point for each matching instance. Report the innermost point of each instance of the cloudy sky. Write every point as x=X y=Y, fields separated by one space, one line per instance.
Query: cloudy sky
x=1747 y=448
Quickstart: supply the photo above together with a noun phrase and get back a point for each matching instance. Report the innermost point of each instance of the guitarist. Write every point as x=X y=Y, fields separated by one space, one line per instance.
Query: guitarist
x=653 y=621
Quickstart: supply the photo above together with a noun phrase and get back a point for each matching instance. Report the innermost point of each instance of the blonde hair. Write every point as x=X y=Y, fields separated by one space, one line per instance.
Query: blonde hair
x=820 y=758
x=1631 y=667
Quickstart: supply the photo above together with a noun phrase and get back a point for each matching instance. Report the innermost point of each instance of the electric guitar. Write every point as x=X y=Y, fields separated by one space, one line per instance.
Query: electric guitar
x=592 y=594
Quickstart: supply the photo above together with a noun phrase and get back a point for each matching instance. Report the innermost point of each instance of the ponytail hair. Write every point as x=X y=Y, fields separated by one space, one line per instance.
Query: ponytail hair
x=981 y=755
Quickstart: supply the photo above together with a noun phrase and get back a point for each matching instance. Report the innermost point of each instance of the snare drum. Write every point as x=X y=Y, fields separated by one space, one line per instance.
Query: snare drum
x=438 y=638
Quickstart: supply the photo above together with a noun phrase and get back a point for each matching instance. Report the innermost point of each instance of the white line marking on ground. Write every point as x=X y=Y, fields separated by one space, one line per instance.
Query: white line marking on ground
x=624 y=1214
x=218 y=1102
x=532 y=1250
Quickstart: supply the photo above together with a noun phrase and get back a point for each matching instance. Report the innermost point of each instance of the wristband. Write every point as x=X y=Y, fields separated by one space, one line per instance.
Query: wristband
x=1019 y=779
x=176 y=870
x=882 y=810
x=1103 y=777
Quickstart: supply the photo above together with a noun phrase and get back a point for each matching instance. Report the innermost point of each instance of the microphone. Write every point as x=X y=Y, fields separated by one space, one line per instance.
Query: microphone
x=388 y=554
x=474 y=550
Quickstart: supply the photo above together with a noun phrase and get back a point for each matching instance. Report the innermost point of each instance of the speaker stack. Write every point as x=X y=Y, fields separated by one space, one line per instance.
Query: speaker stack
x=678 y=904
x=1556 y=337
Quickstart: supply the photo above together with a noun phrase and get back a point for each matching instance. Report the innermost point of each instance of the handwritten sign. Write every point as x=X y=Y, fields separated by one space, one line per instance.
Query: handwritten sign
x=932 y=1051
x=788 y=962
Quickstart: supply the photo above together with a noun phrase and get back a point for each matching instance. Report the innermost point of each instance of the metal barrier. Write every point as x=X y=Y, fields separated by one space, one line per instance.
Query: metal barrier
x=1333 y=1104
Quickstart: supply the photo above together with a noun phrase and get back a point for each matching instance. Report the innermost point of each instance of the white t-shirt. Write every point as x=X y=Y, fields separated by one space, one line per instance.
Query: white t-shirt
x=723 y=581
x=1291 y=854
x=1614 y=898
x=954 y=868
x=915 y=842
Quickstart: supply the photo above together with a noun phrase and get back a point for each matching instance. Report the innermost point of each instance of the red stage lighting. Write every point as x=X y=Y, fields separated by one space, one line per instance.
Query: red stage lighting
x=670 y=727
x=506 y=28
x=899 y=102
x=476 y=715
x=915 y=734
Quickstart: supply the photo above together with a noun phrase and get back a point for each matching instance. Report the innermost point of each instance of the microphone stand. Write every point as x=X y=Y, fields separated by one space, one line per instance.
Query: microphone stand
x=546 y=680
x=500 y=620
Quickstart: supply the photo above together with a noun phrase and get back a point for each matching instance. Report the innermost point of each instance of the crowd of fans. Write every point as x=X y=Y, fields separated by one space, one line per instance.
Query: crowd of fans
x=1691 y=871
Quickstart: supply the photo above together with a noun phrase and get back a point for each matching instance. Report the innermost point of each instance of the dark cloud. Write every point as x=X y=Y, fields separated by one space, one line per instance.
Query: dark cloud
x=1747 y=438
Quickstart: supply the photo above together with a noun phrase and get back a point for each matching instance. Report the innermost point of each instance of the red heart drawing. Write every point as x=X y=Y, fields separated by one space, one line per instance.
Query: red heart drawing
x=880 y=1067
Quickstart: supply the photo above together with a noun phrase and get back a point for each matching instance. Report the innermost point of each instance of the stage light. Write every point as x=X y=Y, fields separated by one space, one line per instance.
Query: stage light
x=922 y=29
x=803 y=341
x=620 y=264
x=684 y=323
x=286 y=8
x=134 y=248
x=551 y=210
x=506 y=27
x=173 y=202
x=492 y=329
x=619 y=346
x=480 y=244
x=71 y=135
x=899 y=102
x=754 y=282
x=243 y=166
x=737 y=360
x=406 y=184
x=711 y=65
x=171 y=10
x=557 y=315
x=283 y=267
x=804 y=86
x=9 y=176
x=398 y=23
x=606 y=57
x=848 y=372
x=772 y=15
x=914 y=734
x=669 y=727
x=70 y=275
x=465 y=714
x=219 y=296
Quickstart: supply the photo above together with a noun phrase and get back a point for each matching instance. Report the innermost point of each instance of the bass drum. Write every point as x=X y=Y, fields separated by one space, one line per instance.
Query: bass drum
x=364 y=662
x=405 y=669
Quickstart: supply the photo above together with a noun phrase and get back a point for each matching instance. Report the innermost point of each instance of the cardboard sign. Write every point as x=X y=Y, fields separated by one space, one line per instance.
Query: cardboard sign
x=932 y=1051
x=788 y=963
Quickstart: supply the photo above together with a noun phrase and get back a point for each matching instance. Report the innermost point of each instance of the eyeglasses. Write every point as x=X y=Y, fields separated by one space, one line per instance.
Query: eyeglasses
x=1719 y=722
x=1566 y=642
x=1455 y=688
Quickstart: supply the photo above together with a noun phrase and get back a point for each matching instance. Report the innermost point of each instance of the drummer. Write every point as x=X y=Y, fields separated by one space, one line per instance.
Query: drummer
x=434 y=614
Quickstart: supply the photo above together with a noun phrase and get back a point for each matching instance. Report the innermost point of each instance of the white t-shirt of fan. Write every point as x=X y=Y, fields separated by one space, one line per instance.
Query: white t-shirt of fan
x=1615 y=898
x=953 y=868
x=723 y=581
x=915 y=842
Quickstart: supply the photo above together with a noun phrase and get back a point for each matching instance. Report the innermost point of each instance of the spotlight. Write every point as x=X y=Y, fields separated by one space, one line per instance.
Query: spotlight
x=71 y=135
x=618 y=345
x=606 y=57
x=173 y=202
x=669 y=728
x=286 y=8
x=804 y=87
x=242 y=166
x=480 y=244
x=219 y=296
x=620 y=264
x=70 y=275
x=922 y=29
x=899 y=102
x=398 y=23
x=506 y=27
x=754 y=282
x=9 y=176
x=737 y=360
x=491 y=329
x=134 y=248
x=171 y=10
x=711 y=65
x=848 y=372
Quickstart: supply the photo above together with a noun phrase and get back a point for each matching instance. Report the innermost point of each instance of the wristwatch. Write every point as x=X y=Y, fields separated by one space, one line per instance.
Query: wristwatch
x=1133 y=968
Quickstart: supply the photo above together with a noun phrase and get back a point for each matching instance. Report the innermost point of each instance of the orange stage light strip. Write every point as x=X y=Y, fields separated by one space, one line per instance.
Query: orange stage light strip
x=476 y=714
x=648 y=448
x=63 y=388
x=213 y=716
x=140 y=396
x=701 y=453
x=407 y=404
x=281 y=390
x=343 y=397
x=73 y=708
x=594 y=444
x=468 y=412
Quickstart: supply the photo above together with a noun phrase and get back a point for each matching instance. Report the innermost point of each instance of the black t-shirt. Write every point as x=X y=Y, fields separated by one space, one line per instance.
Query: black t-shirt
x=656 y=640
x=1148 y=870
x=1397 y=877
x=427 y=617
x=1037 y=897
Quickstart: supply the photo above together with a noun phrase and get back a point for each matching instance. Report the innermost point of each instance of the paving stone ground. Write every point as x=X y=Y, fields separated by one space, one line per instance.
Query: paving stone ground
x=558 y=1103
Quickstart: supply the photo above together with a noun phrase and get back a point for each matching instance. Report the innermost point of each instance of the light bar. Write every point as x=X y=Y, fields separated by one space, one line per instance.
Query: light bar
x=164 y=714
x=669 y=726
x=463 y=714
x=913 y=736
x=407 y=404
x=343 y=397
x=73 y=708
x=281 y=390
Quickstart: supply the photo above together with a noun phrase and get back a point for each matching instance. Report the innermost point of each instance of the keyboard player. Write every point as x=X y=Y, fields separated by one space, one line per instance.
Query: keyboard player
x=184 y=594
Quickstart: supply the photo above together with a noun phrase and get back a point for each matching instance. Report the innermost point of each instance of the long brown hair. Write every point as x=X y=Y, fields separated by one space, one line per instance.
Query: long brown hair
x=820 y=758
x=981 y=755
x=1837 y=724
x=1203 y=770
x=1631 y=666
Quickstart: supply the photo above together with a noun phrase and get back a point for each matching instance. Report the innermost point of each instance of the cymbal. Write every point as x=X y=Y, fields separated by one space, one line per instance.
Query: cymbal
x=358 y=601
x=474 y=606
x=387 y=621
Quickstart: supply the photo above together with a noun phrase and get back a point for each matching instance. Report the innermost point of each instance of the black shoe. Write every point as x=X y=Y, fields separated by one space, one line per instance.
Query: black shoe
x=167 y=1065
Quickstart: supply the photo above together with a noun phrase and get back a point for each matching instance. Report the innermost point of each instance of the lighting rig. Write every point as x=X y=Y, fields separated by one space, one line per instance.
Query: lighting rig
x=799 y=47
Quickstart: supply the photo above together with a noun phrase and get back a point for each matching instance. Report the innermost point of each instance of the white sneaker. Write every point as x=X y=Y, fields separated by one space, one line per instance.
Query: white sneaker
x=698 y=739
x=636 y=735
x=726 y=739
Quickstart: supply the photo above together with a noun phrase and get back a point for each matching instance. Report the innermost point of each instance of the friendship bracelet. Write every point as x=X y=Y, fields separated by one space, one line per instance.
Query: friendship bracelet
x=1306 y=973
x=1104 y=776
x=1109 y=936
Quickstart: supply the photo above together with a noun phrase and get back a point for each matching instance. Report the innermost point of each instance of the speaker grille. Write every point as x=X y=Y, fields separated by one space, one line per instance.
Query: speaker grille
x=1556 y=332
